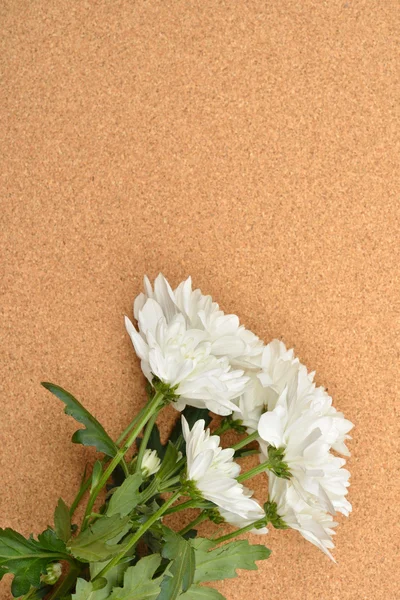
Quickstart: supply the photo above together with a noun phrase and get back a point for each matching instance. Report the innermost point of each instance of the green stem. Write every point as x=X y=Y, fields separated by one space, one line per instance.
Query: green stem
x=255 y=471
x=79 y=496
x=237 y=532
x=125 y=467
x=169 y=483
x=239 y=454
x=145 y=414
x=225 y=426
x=150 y=491
x=136 y=537
x=66 y=584
x=128 y=429
x=145 y=440
x=199 y=519
x=189 y=504
x=245 y=441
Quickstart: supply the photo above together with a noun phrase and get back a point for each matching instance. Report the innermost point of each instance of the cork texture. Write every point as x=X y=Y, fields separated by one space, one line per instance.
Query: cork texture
x=253 y=145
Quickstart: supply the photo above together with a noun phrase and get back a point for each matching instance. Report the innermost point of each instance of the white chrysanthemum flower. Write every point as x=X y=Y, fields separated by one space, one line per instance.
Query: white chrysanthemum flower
x=280 y=369
x=182 y=358
x=150 y=463
x=314 y=524
x=213 y=472
x=227 y=337
x=306 y=438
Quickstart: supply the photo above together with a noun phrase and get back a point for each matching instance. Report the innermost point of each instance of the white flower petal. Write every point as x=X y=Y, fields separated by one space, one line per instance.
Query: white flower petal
x=141 y=348
x=165 y=296
x=270 y=427
x=149 y=316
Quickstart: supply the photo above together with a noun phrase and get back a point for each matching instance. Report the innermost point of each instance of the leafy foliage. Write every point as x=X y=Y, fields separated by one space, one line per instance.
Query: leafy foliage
x=62 y=521
x=222 y=562
x=196 y=592
x=100 y=540
x=126 y=497
x=28 y=558
x=94 y=434
x=89 y=590
x=138 y=581
x=178 y=565
x=48 y=540
x=180 y=572
x=114 y=576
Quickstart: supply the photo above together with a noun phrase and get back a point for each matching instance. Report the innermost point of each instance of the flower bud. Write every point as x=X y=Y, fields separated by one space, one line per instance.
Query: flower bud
x=53 y=573
x=151 y=463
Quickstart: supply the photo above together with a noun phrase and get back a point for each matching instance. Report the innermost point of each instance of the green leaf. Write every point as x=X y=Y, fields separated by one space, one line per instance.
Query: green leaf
x=36 y=593
x=114 y=576
x=27 y=559
x=126 y=497
x=49 y=541
x=196 y=592
x=138 y=581
x=62 y=521
x=87 y=590
x=168 y=465
x=99 y=540
x=222 y=562
x=94 y=434
x=180 y=573
x=3 y=572
x=96 y=474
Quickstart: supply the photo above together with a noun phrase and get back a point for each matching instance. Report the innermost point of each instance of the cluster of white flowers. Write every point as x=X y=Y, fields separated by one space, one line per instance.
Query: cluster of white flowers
x=189 y=344
x=211 y=361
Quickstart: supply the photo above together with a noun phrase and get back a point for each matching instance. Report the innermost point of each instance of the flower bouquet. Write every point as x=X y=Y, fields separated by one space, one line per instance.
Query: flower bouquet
x=202 y=362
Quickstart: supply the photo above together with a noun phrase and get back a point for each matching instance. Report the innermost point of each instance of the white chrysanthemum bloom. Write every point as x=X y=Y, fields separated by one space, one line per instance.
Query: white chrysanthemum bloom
x=314 y=524
x=150 y=463
x=182 y=358
x=227 y=337
x=213 y=471
x=280 y=369
x=306 y=438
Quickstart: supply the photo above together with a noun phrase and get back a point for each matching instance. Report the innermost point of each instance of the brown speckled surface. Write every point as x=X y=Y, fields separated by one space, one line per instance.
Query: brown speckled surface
x=253 y=145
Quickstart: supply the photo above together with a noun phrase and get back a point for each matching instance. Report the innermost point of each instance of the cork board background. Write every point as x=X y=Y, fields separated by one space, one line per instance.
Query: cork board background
x=251 y=144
